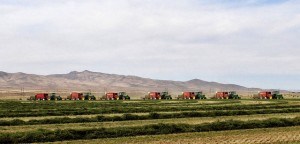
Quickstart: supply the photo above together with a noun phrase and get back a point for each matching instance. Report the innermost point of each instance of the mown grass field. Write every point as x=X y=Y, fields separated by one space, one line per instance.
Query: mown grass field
x=283 y=135
x=137 y=121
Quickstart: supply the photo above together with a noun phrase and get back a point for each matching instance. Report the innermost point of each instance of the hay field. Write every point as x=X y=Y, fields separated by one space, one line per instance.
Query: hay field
x=153 y=121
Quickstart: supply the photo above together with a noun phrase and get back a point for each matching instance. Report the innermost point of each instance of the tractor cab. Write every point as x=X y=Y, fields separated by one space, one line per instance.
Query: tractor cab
x=123 y=96
x=277 y=95
x=276 y=92
x=54 y=96
x=232 y=92
x=199 y=95
x=165 y=95
x=233 y=95
x=89 y=96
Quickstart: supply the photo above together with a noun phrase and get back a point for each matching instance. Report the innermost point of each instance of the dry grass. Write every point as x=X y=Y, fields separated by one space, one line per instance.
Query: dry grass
x=274 y=135
x=130 y=101
x=253 y=136
x=168 y=101
x=248 y=102
x=48 y=117
x=10 y=129
x=208 y=102
x=69 y=116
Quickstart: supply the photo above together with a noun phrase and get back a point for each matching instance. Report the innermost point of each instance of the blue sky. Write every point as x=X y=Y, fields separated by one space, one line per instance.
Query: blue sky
x=251 y=42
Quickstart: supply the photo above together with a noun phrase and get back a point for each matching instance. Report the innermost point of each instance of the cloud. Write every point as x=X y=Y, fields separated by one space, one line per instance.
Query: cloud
x=179 y=40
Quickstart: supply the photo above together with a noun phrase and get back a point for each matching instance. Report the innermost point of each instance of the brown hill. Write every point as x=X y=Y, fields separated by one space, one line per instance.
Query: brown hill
x=96 y=81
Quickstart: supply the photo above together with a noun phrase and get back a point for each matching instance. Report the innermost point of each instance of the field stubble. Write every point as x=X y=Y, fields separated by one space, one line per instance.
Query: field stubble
x=253 y=136
x=193 y=121
x=267 y=135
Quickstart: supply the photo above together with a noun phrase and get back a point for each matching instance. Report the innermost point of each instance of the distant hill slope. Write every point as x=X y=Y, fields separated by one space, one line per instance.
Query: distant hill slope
x=96 y=81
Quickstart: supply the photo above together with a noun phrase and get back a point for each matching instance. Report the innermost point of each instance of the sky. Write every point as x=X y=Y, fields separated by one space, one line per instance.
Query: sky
x=254 y=43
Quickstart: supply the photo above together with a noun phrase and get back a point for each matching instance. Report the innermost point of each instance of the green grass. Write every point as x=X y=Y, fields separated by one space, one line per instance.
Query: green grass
x=48 y=108
x=286 y=135
x=121 y=116
x=42 y=135
x=133 y=123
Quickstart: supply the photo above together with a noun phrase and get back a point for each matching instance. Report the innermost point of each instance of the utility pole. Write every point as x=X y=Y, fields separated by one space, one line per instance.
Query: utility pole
x=22 y=93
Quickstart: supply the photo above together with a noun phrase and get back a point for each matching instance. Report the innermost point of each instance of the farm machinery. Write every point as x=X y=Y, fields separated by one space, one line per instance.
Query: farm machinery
x=191 y=95
x=199 y=95
x=45 y=96
x=75 y=96
x=186 y=95
x=158 y=95
x=233 y=95
x=263 y=95
x=277 y=95
x=54 y=96
x=88 y=96
x=268 y=95
x=81 y=96
x=110 y=96
x=39 y=96
x=124 y=96
x=153 y=96
x=165 y=95
x=226 y=95
x=221 y=95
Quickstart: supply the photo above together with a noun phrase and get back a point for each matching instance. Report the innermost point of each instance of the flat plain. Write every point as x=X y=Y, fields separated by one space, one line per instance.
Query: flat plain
x=151 y=121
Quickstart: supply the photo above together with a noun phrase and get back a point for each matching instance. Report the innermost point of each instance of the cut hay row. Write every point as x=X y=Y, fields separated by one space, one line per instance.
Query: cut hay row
x=133 y=123
x=126 y=117
x=43 y=135
x=46 y=121
x=284 y=135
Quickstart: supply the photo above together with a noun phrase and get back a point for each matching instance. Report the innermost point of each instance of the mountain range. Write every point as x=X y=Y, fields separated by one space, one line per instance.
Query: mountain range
x=97 y=81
